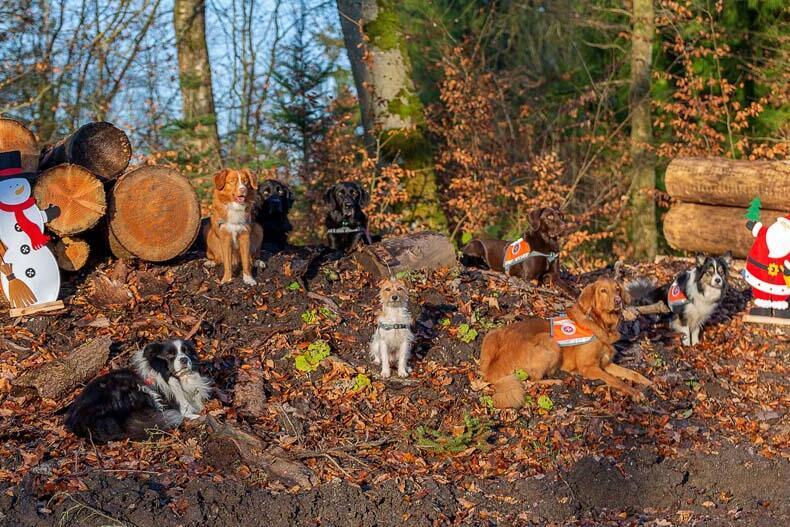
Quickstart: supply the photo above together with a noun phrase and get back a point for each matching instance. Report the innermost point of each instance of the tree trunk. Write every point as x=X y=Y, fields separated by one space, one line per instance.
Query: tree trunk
x=420 y=251
x=711 y=229
x=643 y=231
x=154 y=213
x=100 y=147
x=194 y=71
x=15 y=136
x=719 y=181
x=392 y=114
x=78 y=193
x=71 y=253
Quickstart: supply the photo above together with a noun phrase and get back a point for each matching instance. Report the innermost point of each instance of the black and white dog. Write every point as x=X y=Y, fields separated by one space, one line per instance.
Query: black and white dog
x=161 y=389
x=271 y=212
x=346 y=222
x=691 y=298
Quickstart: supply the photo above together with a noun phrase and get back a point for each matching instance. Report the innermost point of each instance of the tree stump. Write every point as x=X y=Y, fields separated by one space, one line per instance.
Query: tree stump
x=78 y=193
x=712 y=229
x=729 y=182
x=15 y=136
x=71 y=253
x=154 y=213
x=420 y=251
x=100 y=147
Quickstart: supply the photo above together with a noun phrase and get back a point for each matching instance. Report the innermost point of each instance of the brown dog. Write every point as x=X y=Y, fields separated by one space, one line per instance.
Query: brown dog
x=529 y=345
x=546 y=227
x=233 y=238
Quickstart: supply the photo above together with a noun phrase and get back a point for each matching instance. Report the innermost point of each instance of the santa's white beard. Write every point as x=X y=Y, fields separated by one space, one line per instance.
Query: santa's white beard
x=777 y=238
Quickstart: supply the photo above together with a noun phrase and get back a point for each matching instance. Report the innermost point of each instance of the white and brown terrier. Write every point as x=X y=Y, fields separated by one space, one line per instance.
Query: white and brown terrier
x=233 y=237
x=393 y=338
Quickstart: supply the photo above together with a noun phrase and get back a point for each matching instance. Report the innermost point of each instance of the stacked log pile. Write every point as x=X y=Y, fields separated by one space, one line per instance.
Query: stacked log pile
x=712 y=196
x=146 y=212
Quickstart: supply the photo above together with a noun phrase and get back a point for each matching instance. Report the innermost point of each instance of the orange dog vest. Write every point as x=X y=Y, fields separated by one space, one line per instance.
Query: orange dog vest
x=566 y=332
x=675 y=297
x=519 y=250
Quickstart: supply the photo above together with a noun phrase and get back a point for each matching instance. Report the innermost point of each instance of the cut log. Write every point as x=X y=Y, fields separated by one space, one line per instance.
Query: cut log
x=100 y=147
x=154 y=213
x=718 y=181
x=712 y=229
x=71 y=253
x=78 y=193
x=421 y=251
x=15 y=136
x=116 y=248
x=55 y=379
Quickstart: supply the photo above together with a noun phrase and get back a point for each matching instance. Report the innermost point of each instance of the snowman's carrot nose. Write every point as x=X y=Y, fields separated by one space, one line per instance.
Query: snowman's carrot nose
x=19 y=190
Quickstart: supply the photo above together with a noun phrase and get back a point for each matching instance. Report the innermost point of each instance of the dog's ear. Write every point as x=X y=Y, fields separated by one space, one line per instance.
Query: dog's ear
x=289 y=194
x=700 y=258
x=154 y=354
x=364 y=197
x=534 y=219
x=189 y=348
x=586 y=300
x=329 y=195
x=252 y=179
x=727 y=257
x=219 y=178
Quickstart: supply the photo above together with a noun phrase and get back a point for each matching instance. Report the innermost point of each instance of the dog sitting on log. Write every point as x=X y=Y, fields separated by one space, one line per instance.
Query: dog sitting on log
x=536 y=256
x=346 y=222
x=275 y=200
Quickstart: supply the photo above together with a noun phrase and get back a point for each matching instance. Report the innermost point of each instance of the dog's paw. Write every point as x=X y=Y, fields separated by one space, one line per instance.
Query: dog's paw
x=386 y=373
x=191 y=416
x=376 y=360
x=403 y=373
x=210 y=264
x=226 y=280
x=249 y=280
x=260 y=264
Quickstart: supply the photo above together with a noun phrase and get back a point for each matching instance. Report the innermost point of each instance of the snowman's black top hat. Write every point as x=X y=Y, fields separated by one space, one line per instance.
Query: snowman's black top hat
x=11 y=165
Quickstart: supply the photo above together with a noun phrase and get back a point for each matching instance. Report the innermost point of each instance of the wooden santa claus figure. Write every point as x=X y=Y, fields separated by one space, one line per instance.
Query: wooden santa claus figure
x=768 y=268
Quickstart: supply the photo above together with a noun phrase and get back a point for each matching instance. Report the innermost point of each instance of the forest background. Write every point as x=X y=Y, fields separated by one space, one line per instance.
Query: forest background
x=458 y=115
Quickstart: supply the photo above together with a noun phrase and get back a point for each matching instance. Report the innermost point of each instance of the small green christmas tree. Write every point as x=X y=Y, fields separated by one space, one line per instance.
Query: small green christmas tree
x=753 y=212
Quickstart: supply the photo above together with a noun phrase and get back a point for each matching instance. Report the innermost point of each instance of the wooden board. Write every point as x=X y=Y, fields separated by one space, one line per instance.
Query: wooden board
x=728 y=182
x=755 y=319
x=712 y=229
x=37 y=309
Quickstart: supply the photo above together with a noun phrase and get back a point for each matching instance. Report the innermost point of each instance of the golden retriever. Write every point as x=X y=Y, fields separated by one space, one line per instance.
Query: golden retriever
x=529 y=345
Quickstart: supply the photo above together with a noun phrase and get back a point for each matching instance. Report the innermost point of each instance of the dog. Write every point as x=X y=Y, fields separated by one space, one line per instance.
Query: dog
x=393 y=338
x=233 y=238
x=691 y=298
x=581 y=342
x=275 y=200
x=346 y=222
x=159 y=391
x=536 y=256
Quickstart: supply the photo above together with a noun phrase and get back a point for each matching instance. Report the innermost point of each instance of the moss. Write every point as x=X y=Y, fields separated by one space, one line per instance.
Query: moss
x=407 y=105
x=384 y=30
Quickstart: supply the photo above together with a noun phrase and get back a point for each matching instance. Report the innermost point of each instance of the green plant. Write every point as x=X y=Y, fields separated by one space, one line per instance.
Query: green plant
x=309 y=360
x=445 y=322
x=361 y=381
x=327 y=313
x=474 y=434
x=488 y=401
x=310 y=316
x=466 y=333
x=545 y=402
x=521 y=374
x=293 y=286
x=657 y=361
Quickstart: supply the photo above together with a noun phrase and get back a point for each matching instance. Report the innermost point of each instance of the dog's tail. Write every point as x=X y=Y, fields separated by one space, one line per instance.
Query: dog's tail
x=641 y=292
x=508 y=392
x=140 y=424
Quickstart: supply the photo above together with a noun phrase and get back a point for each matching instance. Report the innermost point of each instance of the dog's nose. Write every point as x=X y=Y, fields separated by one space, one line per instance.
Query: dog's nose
x=184 y=361
x=717 y=281
x=395 y=298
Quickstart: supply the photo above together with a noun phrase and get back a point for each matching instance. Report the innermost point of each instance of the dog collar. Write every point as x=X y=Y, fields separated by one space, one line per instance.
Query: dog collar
x=343 y=230
x=519 y=250
x=393 y=326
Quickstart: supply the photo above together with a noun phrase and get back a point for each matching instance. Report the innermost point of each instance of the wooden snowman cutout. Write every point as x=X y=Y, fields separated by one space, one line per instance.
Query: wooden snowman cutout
x=29 y=273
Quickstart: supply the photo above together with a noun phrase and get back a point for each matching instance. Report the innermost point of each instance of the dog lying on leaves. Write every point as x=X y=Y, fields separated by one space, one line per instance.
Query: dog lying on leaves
x=233 y=238
x=161 y=389
x=346 y=222
x=540 y=247
x=531 y=346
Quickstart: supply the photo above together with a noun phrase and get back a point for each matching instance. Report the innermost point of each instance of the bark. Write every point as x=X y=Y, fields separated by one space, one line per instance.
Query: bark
x=712 y=229
x=421 y=251
x=720 y=181
x=78 y=193
x=194 y=71
x=100 y=147
x=643 y=224
x=392 y=114
x=154 y=213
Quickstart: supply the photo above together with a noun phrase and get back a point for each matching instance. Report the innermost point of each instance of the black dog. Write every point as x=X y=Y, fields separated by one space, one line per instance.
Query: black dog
x=346 y=222
x=274 y=203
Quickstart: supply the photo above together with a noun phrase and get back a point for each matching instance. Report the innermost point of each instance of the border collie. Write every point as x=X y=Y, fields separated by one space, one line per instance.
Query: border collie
x=160 y=390
x=691 y=298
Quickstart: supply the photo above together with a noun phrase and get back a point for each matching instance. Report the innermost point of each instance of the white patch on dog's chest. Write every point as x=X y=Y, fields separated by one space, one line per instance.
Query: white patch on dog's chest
x=236 y=214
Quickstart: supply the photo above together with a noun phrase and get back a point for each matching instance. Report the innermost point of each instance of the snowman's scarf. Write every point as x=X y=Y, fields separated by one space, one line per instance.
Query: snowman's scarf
x=37 y=238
